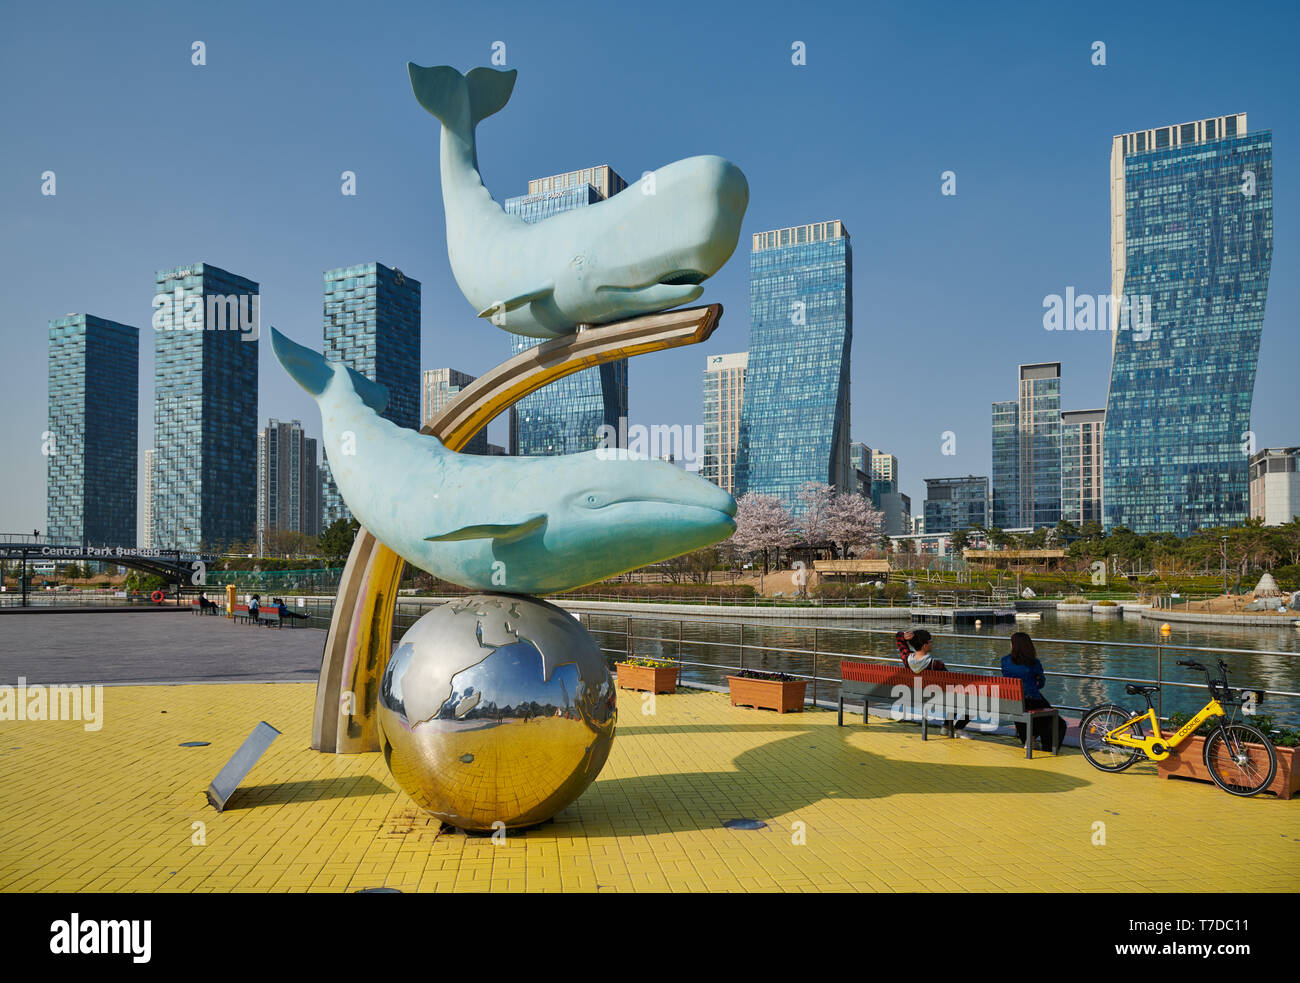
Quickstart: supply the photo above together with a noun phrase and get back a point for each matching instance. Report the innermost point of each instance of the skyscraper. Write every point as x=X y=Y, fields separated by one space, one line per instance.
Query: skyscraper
x=566 y=416
x=795 y=421
x=288 y=487
x=438 y=387
x=724 y=399
x=860 y=459
x=884 y=466
x=205 y=408
x=956 y=503
x=90 y=447
x=1081 y=465
x=372 y=325
x=1192 y=242
x=146 y=533
x=1027 y=451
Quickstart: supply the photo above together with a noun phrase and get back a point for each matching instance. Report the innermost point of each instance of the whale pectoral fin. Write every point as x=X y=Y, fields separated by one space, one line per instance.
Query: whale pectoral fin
x=516 y=302
x=505 y=532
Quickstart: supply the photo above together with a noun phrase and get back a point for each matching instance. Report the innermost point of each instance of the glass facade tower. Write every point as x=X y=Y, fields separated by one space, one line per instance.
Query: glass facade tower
x=205 y=408
x=1192 y=237
x=795 y=423
x=90 y=484
x=1005 y=508
x=566 y=416
x=372 y=325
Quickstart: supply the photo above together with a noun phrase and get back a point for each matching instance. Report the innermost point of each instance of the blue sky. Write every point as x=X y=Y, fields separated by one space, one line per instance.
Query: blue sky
x=237 y=163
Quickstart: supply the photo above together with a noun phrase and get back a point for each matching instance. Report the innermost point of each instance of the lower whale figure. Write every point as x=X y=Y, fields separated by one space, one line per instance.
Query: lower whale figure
x=515 y=525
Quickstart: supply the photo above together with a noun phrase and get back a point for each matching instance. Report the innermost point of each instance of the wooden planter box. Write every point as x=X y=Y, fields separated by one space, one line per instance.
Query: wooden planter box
x=647 y=678
x=767 y=694
x=1188 y=761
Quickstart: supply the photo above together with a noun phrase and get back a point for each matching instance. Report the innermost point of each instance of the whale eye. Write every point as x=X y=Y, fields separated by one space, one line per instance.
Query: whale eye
x=592 y=500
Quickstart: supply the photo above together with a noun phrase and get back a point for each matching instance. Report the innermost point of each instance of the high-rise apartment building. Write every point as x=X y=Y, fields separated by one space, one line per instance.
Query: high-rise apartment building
x=566 y=416
x=146 y=532
x=952 y=504
x=1191 y=249
x=1026 y=489
x=795 y=422
x=724 y=400
x=438 y=387
x=288 y=487
x=90 y=446
x=205 y=408
x=1275 y=485
x=372 y=325
x=1081 y=465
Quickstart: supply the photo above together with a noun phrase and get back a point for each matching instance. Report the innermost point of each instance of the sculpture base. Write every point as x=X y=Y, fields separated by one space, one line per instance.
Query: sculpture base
x=496 y=712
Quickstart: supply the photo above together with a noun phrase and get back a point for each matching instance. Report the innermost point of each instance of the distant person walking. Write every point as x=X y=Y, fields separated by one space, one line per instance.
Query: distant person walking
x=1022 y=663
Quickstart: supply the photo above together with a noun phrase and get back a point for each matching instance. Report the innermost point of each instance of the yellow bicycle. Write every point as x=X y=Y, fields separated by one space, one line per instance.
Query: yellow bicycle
x=1240 y=758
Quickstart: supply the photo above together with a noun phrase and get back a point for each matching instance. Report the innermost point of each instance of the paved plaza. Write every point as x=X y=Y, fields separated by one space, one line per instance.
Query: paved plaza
x=152 y=647
x=847 y=809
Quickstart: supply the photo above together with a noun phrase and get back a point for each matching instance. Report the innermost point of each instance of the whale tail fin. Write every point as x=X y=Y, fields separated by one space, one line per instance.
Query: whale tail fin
x=461 y=102
x=313 y=372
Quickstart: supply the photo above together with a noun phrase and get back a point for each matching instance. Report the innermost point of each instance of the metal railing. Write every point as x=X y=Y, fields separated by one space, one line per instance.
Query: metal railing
x=817 y=654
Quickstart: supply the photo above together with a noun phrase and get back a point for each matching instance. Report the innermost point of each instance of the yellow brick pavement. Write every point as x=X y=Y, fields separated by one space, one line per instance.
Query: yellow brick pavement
x=848 y=809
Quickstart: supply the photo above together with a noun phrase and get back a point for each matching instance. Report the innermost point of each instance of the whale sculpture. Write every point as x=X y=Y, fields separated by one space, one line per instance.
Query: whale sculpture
x=643 y=250
x=515 y=525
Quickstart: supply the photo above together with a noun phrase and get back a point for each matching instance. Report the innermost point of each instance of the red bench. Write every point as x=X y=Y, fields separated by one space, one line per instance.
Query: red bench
x=1002 y=697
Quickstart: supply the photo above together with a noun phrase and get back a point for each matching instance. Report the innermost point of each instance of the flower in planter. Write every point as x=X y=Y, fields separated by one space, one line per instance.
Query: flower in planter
x=771 y=676
x=646 y=663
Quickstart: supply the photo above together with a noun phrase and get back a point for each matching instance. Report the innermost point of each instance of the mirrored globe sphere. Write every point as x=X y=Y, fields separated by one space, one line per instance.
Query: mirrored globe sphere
x=496 y=709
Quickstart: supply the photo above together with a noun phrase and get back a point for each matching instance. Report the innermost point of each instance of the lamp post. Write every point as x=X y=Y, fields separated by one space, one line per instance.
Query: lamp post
x=1224 y=541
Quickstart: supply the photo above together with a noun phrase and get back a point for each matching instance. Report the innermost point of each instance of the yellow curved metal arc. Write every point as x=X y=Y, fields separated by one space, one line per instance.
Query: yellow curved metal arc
x=359 y=641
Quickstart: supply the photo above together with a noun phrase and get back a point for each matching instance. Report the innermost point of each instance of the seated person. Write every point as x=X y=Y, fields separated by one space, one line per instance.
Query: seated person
x=919 y=659
x=284 y=611
x=1022 y=663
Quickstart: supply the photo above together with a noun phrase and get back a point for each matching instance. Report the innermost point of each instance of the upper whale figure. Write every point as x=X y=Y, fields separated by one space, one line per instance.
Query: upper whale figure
x=646 y=249
x=514 y=525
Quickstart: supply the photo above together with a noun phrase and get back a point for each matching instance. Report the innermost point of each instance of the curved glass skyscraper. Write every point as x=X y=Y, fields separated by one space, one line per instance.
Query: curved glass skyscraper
x=795 y=421
x=1192 y=237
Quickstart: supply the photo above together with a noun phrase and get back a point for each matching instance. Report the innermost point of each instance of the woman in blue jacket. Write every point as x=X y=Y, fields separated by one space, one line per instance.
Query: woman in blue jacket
x=1022 y=663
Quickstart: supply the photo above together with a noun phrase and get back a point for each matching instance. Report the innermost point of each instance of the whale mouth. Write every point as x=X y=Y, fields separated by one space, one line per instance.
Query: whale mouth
x=679 y=277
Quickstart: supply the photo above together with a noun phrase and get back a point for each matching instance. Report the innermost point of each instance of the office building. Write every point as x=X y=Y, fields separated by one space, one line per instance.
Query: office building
x=724 y=399
x=1191 y=249
x=952 y=504
x=566 y=416
x=897 y=507
x=205 y=408
x=1081 y=465
x=795 y=422
x=1026 y=487
x=372 y=325
x=1275 y=485
x=90 y=444
x=288 y=486
x=438 y=388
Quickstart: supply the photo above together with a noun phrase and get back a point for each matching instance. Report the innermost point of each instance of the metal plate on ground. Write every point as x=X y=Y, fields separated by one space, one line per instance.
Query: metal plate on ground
x=240 y=764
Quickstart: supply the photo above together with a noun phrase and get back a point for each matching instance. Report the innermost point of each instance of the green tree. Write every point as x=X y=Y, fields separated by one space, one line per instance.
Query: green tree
x=336 y=540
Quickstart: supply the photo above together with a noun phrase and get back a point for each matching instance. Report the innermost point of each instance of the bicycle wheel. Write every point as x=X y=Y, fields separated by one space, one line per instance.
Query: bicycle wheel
x=1093 y=728
x=1244 y=763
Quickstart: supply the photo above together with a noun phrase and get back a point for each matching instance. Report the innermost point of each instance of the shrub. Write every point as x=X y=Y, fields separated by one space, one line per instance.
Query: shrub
x=1105 y=604
x=1075 y=599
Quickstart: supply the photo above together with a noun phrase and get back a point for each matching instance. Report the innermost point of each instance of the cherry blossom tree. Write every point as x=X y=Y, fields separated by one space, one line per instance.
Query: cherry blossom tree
x=762 y=523
x=818 y=501
x=852 y=523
